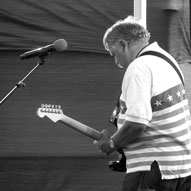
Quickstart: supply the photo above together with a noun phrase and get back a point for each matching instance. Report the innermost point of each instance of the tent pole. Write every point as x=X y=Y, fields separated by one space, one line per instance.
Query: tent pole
x=140 y=11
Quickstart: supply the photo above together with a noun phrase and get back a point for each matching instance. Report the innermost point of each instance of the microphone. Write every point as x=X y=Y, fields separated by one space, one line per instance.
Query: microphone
x=59 y=46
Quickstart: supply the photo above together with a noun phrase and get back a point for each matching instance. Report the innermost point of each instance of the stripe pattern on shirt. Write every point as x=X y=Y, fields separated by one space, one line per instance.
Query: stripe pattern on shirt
x=167 y=138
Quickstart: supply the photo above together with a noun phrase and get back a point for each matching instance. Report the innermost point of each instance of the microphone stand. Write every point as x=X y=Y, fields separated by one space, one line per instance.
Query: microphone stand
x=21 y=83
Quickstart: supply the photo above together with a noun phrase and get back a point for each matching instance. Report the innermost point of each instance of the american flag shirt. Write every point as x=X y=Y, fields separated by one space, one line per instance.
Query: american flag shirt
x=154 y=95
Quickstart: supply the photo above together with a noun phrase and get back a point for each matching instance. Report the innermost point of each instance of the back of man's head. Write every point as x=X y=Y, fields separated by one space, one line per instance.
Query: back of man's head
x=129 y=29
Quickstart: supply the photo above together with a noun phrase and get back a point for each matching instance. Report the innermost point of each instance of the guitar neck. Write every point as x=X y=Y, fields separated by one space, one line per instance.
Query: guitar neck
x=82 y=128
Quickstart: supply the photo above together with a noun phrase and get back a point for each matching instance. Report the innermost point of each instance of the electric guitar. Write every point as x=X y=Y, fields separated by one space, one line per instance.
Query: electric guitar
x=55 y=113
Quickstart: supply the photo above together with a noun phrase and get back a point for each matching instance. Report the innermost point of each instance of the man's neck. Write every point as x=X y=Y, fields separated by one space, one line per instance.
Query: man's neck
x=140 y=50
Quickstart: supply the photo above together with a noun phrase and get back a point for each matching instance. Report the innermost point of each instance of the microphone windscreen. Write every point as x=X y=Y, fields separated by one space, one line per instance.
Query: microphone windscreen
x=60 y=45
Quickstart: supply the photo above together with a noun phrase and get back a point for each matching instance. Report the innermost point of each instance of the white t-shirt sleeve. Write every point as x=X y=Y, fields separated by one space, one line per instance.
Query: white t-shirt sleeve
x=136 y=92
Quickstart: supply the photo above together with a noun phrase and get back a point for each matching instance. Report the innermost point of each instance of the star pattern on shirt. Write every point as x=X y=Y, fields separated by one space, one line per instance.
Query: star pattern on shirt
x=158 y=103
x=178 y=94
x=168 y=98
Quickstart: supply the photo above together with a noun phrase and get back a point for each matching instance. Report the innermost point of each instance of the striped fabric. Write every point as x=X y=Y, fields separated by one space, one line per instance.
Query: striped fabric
x=167 y=138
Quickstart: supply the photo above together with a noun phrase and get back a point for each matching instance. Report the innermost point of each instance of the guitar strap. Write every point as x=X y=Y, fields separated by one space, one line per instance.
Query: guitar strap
x=154 y=53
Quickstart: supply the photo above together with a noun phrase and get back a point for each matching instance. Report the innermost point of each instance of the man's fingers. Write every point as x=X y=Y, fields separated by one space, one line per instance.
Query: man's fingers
x=95 y=143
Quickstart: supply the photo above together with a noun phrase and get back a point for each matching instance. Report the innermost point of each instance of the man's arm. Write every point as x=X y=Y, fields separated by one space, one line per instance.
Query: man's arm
x=127 y=133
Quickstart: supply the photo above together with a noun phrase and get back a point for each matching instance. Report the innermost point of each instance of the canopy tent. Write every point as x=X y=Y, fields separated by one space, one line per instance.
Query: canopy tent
x=30 y=24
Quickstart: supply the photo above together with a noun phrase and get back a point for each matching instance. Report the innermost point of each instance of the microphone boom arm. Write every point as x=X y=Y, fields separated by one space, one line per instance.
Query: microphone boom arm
x=21 y=82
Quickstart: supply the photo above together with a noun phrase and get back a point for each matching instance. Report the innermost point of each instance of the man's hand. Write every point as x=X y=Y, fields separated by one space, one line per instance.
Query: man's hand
x=104 y=144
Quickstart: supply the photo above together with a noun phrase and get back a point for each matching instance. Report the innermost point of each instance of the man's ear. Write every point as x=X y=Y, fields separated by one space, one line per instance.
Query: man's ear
x=123 y=43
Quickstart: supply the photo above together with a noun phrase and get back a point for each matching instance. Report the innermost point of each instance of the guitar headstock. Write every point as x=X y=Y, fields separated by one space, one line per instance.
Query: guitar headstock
x=53 y=112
